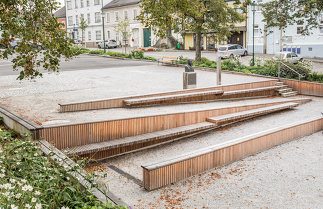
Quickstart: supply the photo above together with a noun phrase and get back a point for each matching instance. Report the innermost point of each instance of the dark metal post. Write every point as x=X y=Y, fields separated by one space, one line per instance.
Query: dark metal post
x=253 y=7
x=103 y=28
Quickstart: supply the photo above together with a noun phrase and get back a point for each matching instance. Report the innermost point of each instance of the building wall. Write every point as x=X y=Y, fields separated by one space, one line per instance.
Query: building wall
x=75 y=12
x=188 y=41
x=63 y=21
x=308 y=46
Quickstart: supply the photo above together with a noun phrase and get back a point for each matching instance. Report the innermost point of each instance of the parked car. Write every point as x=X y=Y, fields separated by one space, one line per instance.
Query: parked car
x=77 y=41
x=232 y=50
x=288 y=57
x=108 y=44
x=14 y=43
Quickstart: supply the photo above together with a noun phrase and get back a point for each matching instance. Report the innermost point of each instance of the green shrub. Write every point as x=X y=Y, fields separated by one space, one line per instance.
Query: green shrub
x=1 y=120
x=28 y=178
x=137 y=54
x=150 y=58
x=96 y=52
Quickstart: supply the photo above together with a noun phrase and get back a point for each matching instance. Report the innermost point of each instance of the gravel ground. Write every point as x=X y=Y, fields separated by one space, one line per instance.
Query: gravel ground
x=38 y=100
x=287 y=176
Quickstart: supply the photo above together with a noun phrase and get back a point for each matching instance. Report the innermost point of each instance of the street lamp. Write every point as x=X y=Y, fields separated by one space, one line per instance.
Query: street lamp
x=103 y=28
x=253 y=8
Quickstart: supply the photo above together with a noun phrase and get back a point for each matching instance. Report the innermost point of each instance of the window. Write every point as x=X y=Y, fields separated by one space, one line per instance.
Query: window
x=109 y=35
x=257 y=30
x=108 y=17
x=125 y=15
x=76 y=6
x=69 y=4
x=135 y=14
x=82 y=3
x=300 y=29
x=77 y=20
x=87 y=3
x=98 y=35
x=97 y=17
x=96 y=2
x=89 y=34
x=88 y=18
x=116 y=14
x=70 y=21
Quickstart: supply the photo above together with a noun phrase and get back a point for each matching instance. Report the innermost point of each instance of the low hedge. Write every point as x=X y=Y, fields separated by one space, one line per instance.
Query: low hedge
x=29 y=179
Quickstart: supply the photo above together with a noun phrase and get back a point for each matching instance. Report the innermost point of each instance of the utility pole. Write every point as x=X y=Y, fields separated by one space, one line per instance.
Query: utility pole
x=103 y=28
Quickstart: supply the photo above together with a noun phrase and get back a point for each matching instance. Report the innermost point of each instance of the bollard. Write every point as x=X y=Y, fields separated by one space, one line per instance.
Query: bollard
x=218 y=71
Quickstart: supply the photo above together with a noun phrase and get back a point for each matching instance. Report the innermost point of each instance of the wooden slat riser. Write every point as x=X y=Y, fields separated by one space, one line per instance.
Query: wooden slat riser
x=168 y=174
x=118 y=102
x=81 y=134
x=305 y=88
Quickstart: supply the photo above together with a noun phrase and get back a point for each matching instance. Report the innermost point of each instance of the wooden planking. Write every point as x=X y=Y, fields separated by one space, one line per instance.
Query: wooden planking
x=169 y=171
x=110 y=148
x=304 y=87
x=222 y=119
x=73 y=135
x=118 y=102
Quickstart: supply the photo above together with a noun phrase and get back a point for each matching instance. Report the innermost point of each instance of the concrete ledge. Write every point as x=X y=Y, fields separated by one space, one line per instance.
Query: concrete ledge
x=175 y=169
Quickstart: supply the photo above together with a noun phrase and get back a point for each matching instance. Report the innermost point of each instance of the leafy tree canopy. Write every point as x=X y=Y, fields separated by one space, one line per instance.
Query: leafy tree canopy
x=197 y=16
x=281 y=13
x=32 y=22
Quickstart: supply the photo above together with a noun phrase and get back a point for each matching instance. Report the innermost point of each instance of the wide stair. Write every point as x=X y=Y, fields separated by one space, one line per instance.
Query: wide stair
x=285 y=91
x=117 y=147
x=204 y=96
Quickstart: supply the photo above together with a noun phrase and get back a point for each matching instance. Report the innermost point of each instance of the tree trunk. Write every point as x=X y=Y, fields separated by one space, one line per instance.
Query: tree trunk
x=281 y=40
x=198 y=46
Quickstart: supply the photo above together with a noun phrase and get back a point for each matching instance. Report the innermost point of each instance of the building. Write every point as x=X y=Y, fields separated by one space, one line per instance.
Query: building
x=209 y=40
x=269 y=42
x=61 y=16
x=118 y=10
x=91 y=11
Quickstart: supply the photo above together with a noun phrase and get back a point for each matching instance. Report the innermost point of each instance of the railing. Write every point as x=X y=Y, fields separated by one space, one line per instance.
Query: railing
x=299 y=75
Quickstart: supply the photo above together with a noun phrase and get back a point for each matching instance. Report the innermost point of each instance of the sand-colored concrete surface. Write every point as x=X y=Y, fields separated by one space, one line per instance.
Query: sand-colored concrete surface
x=287 y=176
x=38 y=100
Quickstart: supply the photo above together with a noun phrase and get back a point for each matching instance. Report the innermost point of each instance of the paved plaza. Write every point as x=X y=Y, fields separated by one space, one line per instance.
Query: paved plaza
x=287 y=176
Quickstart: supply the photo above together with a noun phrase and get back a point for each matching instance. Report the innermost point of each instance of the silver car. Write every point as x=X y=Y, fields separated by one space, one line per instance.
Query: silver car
x=232 y=50
x=288 y=57
x=108 y=44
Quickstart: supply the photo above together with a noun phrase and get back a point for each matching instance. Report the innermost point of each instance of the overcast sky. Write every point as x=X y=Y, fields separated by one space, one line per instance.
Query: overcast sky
x=62 y=2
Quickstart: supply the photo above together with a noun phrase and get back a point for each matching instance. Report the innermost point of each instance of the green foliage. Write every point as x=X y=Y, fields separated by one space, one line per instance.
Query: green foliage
x=83 y=26
x=150 y=58
x=197 y=16
x=29 y=178
x=1 y=120
x=97 y=52
x=137 y=54
x=116 y=54
x=34 y=23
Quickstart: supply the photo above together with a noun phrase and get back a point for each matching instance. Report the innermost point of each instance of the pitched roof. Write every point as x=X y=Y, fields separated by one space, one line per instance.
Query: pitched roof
x=61 y=13
x=120 y=3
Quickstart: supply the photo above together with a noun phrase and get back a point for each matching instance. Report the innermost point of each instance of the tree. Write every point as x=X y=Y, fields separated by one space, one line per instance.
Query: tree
x=83 y=26
x=281 y=13
x=197 y=16
x=277 y=14
x=123 y=27
x=34 y=23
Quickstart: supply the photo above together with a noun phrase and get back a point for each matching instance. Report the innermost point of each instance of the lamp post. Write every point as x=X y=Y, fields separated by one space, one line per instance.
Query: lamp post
x=253 y=8
x=103 y=28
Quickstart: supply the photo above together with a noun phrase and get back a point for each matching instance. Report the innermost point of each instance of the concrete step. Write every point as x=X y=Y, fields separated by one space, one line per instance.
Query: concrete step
x=285 y=90
x=289 y=94
x=124 y=145
x=176 y=98
x=234 y=117
x=279 y=83
x=243 y=92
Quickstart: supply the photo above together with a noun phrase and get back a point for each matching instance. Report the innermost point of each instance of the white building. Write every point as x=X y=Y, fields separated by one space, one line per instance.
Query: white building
x=307 y=46
x=118 y=10
x=91 y=11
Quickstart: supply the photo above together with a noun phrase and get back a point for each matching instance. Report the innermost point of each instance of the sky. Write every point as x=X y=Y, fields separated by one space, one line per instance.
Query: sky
x=62 y=2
